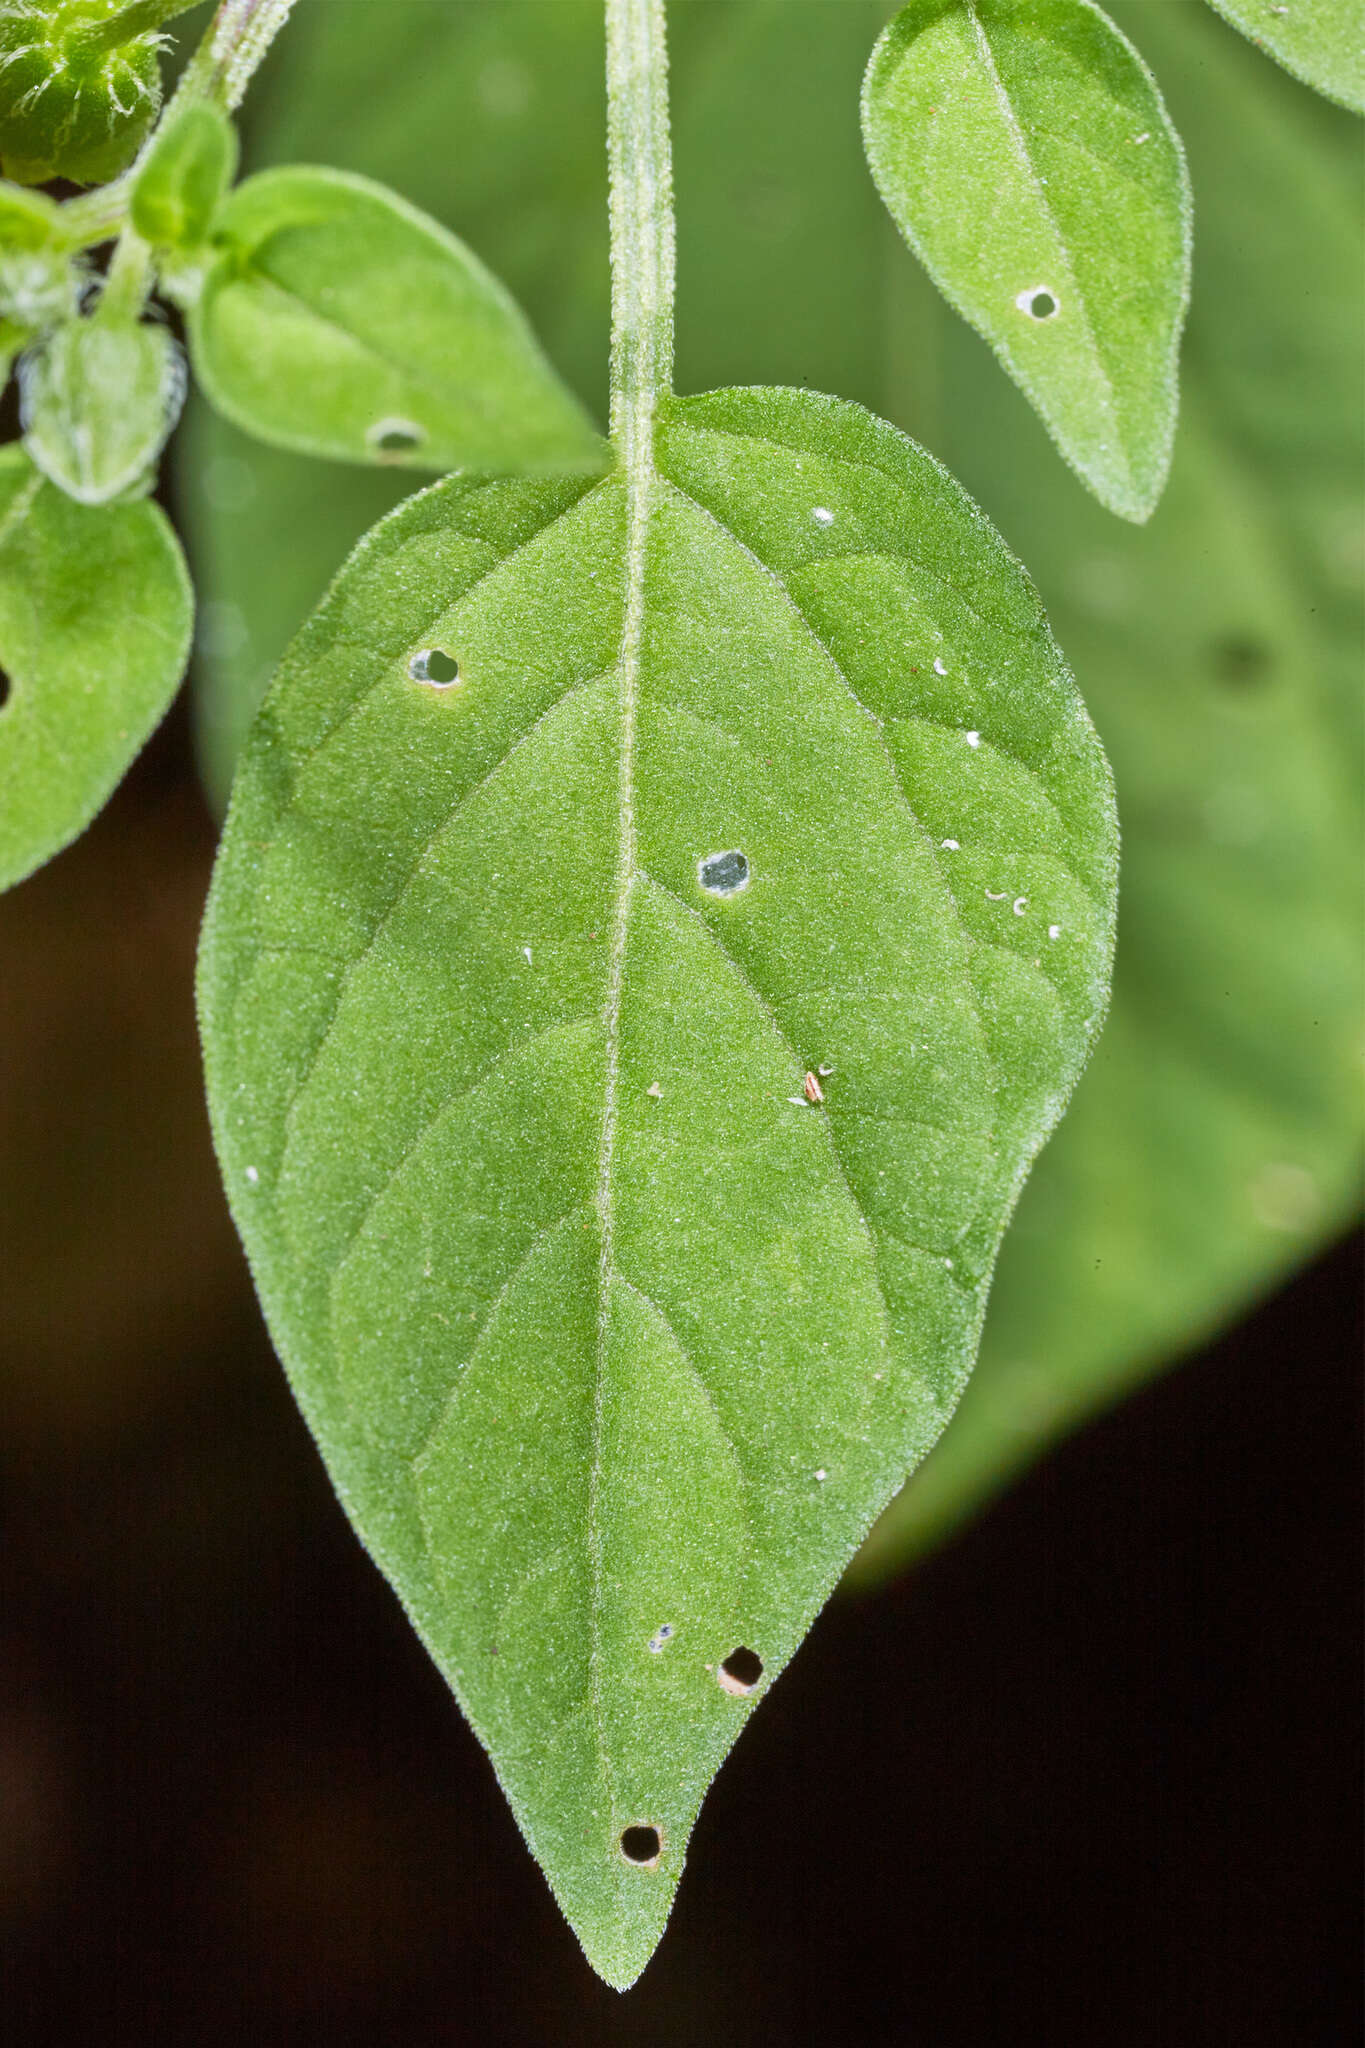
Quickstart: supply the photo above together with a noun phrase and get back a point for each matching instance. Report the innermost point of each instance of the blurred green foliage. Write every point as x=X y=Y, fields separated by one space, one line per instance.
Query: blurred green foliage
x=1215 y=1140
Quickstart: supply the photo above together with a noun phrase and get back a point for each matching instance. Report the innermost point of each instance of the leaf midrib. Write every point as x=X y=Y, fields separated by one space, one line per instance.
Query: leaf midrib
x=1020 y=141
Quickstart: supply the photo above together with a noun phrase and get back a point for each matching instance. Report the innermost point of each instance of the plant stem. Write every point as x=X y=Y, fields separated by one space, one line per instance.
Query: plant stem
x=641 y=173
x=129 y=279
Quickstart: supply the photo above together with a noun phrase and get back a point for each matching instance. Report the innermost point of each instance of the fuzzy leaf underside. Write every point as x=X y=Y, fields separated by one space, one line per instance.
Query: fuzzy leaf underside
x=340 y=321
x=1322 y=42
x=95 y=618
x=604 y=1328
x=1025 y=154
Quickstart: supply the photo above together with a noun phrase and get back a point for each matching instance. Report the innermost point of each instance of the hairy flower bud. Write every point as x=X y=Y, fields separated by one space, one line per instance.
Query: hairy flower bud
x=70 y=108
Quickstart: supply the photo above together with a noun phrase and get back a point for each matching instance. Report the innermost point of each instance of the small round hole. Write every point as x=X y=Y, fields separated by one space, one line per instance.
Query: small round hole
x=1038 y=302
x=724 y=874
x=434 y=665
x=395 y=437
x=642 y=1846
x=741 y=1671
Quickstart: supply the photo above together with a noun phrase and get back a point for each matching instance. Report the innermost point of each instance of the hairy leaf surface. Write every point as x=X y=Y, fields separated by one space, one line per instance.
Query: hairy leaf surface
x=95 y=615
x=1215 y=1139
x=623 y=1066
x=1320 y=41
x=98 y=400
x=1260 y=530
x=339 y=320
x=1024 y=152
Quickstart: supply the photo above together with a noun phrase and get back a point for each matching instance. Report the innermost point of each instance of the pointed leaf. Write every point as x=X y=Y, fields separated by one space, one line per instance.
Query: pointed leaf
x=1215 y=1140
x=338 y=320
x=1262 y=492
x=624 y=1053
x=1025 y=154
x=1320 y=41
x=182 y=180
x=95 y=614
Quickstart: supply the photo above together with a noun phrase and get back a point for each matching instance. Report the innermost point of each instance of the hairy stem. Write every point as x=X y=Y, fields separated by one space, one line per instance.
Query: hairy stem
x=129 y=279
x=641 y=225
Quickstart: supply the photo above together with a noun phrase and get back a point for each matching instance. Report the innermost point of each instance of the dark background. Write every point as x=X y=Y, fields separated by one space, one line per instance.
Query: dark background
x=1087 y=1777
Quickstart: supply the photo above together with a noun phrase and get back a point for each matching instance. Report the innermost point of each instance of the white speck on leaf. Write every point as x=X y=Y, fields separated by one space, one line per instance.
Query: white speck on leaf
x=821 y=1473
x=527 y=951
x=822 y=515
x=996 y=895
x=1054 y=931
x=654 y=1089
x=951 y=845
x=1019 y=905
x=252 y=1175
x=973 y=739
x=940 y=665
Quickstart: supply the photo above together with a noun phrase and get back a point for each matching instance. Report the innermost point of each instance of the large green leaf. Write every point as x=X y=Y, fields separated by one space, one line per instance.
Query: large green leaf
x=95 y=615
x=1024 y=153
x=633 y=987
x=1261 y=522
x=1320 y=41
x=339 y=320
x=1216 y=1136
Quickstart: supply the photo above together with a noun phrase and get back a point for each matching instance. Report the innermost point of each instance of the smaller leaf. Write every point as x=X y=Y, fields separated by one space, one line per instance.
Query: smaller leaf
x=340 y=321
x=185 y=177
x=97 y=400
x=39 y=283
x=1320 y=41
x=28 y=220
x=1025 y=154
x=95 y=616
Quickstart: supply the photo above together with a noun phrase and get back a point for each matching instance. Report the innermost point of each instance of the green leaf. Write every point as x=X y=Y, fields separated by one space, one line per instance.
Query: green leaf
x=95 y=615
x=1320 y=41
x=28 y=220
x=1216 y=1137
x=1261 y=530
x=624 y=1052
x=181 y=182
x=39 y=284
x=1024 y=152
x=98 y=399
x=340 y=321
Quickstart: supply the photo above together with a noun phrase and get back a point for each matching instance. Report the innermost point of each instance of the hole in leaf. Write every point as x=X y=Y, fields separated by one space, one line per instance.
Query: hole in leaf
x=723 y=874
x=395 y=436
x=641 y=1845
x=1241 y=662
x=434 y=665
x=740 y=1671
x=1038 y=302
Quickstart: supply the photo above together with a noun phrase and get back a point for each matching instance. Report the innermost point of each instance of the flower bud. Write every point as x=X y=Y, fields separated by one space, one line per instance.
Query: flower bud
x=69 y=108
